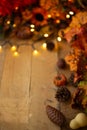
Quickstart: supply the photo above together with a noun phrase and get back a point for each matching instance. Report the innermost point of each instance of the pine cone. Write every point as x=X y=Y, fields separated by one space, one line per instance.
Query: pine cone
x=63 y=94
x=55 y=116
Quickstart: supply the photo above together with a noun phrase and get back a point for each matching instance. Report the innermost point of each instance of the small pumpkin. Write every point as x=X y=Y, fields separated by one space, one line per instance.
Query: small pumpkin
x=60 y=80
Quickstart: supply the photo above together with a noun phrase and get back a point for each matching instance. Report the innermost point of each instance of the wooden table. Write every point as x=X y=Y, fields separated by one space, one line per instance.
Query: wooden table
x=26 y=83
x=26 y=87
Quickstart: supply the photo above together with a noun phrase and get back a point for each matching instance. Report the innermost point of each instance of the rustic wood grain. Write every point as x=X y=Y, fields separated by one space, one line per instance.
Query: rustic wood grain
x=26 y=88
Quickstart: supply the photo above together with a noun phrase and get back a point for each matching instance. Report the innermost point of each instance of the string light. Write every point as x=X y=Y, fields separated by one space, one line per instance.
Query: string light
x=44 y=46
x=16 y=54
x=49 y=15
x=59 y=39
x=8 y=22
x=13 y=48
x=32 y=29
x=43 y=31
x=57 y=21
x=0 y=48
x=16 y=8
x=35 y=52
x=14 y=25
x=71 y=12
x=68 y=16
x=32 y=26
x=46 y=35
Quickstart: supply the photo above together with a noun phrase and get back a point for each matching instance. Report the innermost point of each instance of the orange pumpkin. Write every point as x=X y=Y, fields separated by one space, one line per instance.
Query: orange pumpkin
x=60 y=80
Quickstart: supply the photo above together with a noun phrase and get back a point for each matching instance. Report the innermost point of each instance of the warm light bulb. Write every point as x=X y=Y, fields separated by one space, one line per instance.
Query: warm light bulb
x=15 y=54
x=44 y=46
x=32 y=25
x=0 y=48
x=71 y=12
x=57 y=21
x=67 y=16
x=49 y=15
x=35 y=52
x=13 y=48
x=32 y=30
x=14 y=25
x=8 y=22
x=16 y=8
x=59 y=39
x=46 y=35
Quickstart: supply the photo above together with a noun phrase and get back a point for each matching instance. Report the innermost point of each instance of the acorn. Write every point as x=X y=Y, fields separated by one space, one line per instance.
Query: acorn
x=50 y=46
x=61 y=63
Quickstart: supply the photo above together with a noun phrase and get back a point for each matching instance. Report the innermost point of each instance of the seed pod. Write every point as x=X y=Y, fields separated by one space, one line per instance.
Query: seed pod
x=55 y=116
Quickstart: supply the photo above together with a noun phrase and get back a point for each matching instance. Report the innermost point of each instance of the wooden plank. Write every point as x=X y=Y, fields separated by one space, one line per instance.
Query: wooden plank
x=42 y=89
x=2 y=60
x=14 y=91
x=26 y=86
